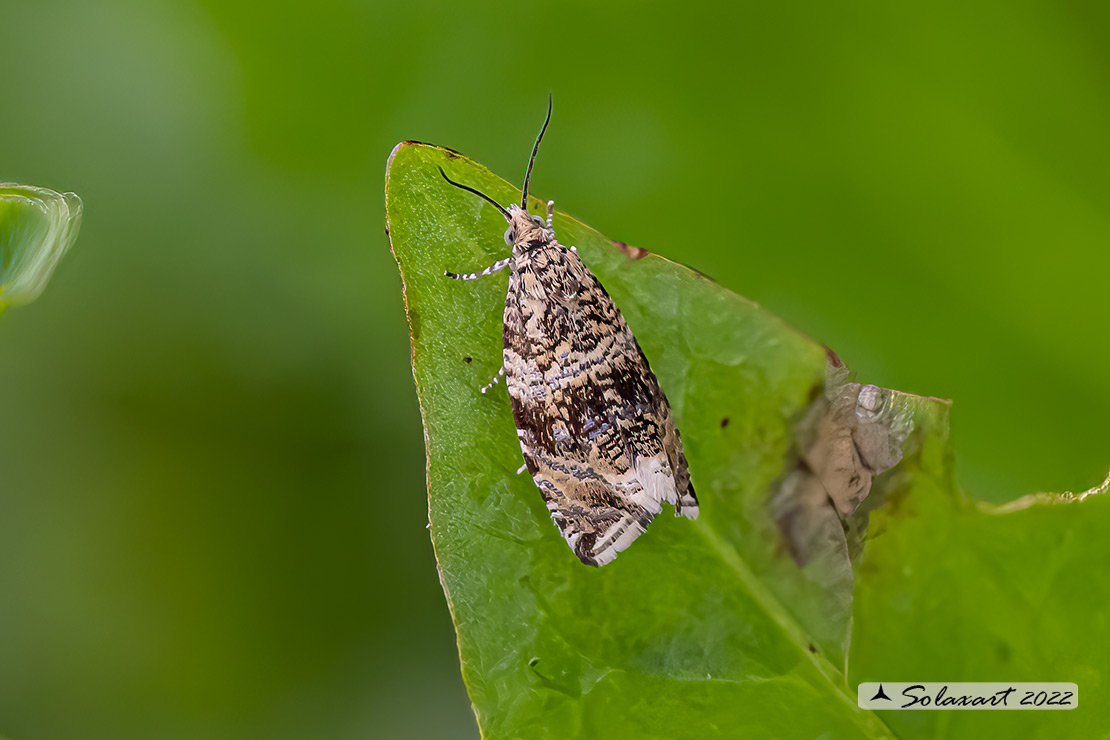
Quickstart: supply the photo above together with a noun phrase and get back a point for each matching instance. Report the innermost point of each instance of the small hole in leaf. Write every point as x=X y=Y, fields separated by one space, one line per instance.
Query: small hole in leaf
x=468 y=360
x=724 y=422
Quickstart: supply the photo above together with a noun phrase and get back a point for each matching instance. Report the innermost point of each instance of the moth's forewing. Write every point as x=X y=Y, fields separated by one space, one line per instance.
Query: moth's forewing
x=594 y=427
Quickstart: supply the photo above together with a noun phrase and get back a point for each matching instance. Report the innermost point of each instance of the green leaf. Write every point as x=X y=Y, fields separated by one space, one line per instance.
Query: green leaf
x=701 y=629
x=37 y=227
x=950 y=589
x=679 y=632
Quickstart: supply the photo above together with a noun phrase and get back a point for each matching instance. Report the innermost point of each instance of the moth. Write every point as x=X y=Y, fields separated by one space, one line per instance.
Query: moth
x=594 y=427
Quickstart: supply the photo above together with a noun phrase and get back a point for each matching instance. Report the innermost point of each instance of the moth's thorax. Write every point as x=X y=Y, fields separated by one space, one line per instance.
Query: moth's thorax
x=526 y=231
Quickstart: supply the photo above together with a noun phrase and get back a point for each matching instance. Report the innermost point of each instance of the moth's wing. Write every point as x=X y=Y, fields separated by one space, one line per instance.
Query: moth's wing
x=591 y=505
x=595 y=430
x=656 y=445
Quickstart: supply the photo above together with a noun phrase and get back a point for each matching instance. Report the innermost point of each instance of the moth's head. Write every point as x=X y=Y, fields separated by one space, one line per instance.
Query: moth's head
x=526 y=231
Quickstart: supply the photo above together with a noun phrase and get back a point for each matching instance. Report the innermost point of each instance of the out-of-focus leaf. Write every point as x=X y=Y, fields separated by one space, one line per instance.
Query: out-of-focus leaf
x=37 y=226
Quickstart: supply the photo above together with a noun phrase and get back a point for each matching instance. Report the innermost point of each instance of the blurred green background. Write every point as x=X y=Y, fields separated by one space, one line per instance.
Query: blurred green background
x=212 y=499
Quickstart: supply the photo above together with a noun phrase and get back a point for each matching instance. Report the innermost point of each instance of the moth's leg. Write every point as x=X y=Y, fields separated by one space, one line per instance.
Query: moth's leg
x=551 y=215
x=522 y=468
x=493 y=382
x=498 y=265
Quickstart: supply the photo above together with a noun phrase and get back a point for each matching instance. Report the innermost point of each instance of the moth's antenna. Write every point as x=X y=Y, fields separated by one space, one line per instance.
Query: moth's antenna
x=481 y=195
x=532 y=159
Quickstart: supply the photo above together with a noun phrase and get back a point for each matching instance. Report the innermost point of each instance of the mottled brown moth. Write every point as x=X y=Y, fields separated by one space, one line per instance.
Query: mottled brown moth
x=595 y=429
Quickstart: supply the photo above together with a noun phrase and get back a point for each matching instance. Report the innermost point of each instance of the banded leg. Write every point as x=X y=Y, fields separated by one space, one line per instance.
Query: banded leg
x=493 y=382
x=550 y=216
x=496 y=266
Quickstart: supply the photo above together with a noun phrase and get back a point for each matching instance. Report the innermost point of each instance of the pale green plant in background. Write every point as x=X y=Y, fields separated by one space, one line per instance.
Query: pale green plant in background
x=37 y=227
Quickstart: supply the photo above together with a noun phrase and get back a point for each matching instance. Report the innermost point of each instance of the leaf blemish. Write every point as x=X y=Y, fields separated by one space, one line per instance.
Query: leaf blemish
x=851 y=433
x=632 y=253
x=724 y=422
x=468 y=360
x=816 y=392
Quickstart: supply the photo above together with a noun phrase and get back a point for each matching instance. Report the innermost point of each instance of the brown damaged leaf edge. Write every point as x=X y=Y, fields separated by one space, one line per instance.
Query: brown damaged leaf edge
x=632 y=253
x=451 y=153
x=419 y=395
